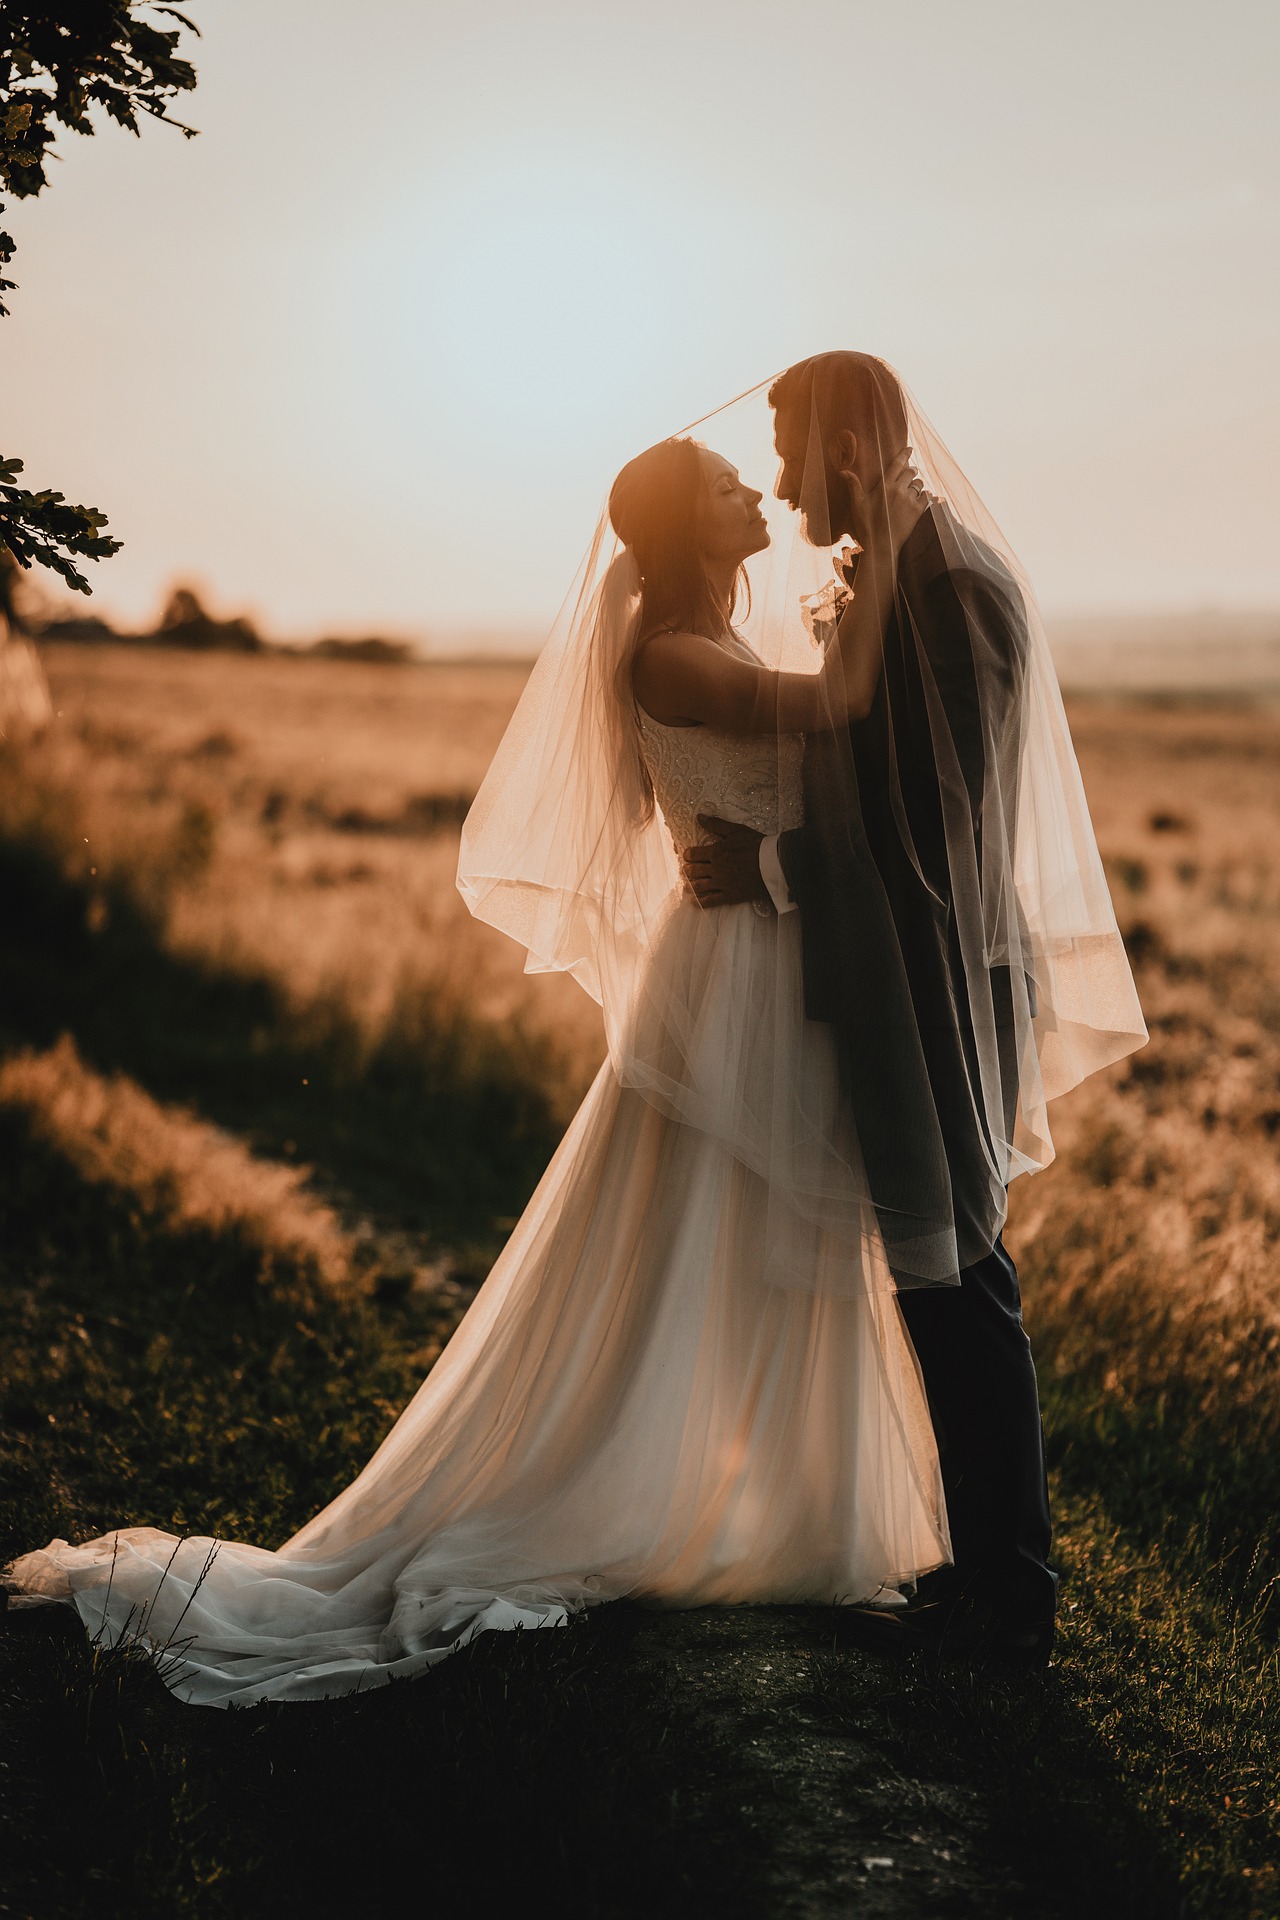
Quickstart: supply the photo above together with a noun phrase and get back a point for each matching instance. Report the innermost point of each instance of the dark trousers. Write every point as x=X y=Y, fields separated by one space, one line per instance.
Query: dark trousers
x=981 y=1382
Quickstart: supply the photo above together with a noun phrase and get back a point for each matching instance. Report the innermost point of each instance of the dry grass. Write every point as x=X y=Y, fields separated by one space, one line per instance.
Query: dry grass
x=297 y=818
x=1167 y=1188
x=300 y=818
x=178 y=1168
x=1150 y=1247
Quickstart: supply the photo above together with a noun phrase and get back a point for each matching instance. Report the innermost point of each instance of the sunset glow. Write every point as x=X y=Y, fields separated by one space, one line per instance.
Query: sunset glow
x=376 y=340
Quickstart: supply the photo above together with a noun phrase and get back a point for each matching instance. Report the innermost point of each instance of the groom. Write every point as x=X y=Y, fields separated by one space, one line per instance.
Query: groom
x=873 y=875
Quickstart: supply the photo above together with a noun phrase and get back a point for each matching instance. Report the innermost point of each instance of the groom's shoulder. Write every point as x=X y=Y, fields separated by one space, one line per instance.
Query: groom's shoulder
x=952 y=561
x=943 y=546
x=962 y=587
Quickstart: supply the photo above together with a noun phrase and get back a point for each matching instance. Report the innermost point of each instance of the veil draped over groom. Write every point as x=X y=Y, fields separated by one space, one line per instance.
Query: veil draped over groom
x=971 y=965
x=688 y=1377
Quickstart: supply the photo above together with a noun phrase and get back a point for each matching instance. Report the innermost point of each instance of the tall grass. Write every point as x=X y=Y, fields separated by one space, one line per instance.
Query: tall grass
x=1151 y=1247
x=293 y=1061
x=292 y=820
x=178 y=1167
x=438 y=1126
x=1150 y=1260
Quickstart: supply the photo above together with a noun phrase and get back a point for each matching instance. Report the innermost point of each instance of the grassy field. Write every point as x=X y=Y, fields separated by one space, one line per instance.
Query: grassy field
x=270 y=1101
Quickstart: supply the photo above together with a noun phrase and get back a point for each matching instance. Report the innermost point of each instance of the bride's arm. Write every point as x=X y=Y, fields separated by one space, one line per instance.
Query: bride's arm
x=684 y=678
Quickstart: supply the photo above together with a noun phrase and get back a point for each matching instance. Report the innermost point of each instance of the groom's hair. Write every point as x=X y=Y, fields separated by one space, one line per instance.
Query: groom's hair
x=846 y=390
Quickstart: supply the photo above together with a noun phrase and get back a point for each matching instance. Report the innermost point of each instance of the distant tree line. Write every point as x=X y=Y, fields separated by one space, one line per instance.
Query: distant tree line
x=187 y=622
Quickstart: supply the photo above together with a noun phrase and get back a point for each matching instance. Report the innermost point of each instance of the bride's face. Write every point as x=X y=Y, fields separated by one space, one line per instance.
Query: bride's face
x=730 y=523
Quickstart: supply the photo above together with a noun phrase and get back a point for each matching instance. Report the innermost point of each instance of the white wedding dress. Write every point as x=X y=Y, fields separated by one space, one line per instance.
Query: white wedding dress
x=679 y=1383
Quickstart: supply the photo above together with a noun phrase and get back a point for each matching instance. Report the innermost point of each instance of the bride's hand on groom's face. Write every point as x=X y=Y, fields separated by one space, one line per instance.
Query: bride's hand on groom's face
x=886 y=508
x=725 y=872
x=898 y=500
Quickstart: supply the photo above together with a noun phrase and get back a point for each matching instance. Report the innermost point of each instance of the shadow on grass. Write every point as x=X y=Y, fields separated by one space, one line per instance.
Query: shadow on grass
x=171 y=1376
x=1186 y=1469
x=1059 y=1812
x=441 y=1128
x=532 y=1773
x=635 y=1764
x=184 y=1378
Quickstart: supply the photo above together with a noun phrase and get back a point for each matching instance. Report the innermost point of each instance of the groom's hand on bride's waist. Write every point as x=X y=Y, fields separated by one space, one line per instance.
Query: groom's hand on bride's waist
x=725 y=870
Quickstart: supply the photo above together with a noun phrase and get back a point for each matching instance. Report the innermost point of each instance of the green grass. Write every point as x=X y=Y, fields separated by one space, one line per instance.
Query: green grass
x=1180 y=1426
x=535 y=1757
x=632 y=1764
x=441 y=1127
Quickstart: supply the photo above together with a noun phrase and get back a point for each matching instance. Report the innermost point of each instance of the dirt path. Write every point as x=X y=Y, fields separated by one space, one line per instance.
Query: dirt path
x=802 y=1751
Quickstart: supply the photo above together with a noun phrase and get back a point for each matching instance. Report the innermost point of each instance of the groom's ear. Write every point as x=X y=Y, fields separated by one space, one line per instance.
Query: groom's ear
x=843 y=450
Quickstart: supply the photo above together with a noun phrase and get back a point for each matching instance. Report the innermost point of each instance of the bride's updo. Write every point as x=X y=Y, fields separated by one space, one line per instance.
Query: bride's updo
x=653 y=508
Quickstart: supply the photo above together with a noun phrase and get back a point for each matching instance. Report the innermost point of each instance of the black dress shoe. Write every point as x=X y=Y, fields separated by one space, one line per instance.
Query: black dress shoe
x=962 y=1629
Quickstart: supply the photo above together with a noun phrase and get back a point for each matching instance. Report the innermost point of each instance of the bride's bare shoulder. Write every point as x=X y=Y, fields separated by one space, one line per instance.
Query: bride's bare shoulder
x=668 y=651
x=665 y=655
x=666 y=672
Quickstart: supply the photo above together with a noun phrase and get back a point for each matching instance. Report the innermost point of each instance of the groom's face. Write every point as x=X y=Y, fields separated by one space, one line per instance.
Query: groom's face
x=791 y=439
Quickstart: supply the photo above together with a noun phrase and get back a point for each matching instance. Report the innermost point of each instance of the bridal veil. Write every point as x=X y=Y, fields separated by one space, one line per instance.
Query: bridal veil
x=958 y=929
x=686 y=1378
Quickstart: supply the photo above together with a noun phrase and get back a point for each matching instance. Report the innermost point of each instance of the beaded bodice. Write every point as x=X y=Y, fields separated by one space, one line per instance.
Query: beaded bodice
x=753 y=778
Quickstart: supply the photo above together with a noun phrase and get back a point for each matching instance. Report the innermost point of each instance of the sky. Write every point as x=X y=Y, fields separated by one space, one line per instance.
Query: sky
x=364 y=356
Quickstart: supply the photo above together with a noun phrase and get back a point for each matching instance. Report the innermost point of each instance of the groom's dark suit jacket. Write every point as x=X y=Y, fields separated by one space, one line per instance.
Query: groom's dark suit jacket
x=876 y=884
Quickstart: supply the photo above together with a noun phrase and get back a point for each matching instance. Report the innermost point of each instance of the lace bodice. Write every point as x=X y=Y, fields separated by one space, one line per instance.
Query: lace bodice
x=753 y=778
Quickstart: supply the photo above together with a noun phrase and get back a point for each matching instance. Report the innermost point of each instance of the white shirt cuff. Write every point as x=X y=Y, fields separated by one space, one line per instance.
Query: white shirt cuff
x=774 y=878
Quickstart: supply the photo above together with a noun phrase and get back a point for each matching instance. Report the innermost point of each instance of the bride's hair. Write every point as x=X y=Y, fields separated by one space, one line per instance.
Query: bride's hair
x=653 y=507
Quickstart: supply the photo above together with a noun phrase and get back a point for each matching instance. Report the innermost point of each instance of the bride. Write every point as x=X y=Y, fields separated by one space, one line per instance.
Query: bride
x=687 y=1375
x=687 y=1378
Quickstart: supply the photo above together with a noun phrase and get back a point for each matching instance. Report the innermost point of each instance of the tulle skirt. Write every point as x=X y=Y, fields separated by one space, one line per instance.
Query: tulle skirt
x=683 y=1382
